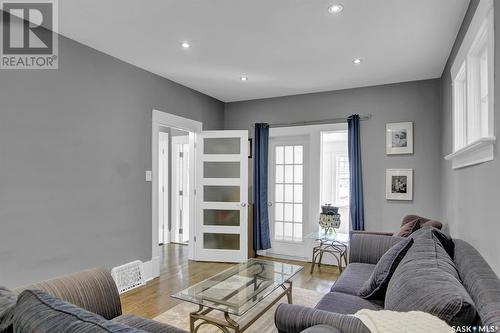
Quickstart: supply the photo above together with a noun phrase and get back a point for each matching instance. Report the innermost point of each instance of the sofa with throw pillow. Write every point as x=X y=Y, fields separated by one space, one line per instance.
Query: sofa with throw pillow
x=84 y=302
x=426 y=272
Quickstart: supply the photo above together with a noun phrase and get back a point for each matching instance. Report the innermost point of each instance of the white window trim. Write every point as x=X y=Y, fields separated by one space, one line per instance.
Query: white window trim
x=482 y=149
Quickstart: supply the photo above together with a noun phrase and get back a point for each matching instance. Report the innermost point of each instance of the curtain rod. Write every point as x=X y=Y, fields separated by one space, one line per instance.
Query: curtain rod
x=319 y=122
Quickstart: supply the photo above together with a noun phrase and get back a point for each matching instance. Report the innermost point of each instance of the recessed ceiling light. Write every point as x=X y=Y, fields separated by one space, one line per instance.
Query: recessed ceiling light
x=335 y=9
x=244 y=78
x=357 y=61
x=185 y=45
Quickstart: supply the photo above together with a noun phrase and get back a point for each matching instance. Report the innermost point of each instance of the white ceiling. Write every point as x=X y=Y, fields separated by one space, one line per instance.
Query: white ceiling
x=285 y=47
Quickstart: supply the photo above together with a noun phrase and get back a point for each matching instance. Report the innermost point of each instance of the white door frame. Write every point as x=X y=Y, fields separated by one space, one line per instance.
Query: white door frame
x=160 y=118
x=312 y=176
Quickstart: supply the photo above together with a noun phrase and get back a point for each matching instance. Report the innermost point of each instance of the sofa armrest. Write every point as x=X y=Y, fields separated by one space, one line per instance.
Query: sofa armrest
x=368 y=248
x=93 y=290
x=290 y=318
x=147 y=325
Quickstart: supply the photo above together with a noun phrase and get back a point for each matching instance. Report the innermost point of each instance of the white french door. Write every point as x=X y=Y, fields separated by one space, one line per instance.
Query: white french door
x=287 y=185
x=221 y=228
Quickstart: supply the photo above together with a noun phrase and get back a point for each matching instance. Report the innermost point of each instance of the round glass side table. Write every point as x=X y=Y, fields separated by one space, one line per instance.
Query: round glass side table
x=332 y=243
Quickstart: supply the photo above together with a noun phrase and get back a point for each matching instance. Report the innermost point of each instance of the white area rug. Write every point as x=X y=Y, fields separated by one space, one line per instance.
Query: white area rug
x=179 y=315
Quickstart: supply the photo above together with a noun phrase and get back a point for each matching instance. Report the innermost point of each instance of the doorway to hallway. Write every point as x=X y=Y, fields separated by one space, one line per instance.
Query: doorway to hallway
x=174 y=185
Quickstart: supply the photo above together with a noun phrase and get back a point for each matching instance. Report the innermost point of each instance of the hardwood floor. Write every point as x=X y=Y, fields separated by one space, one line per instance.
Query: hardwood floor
x=177 y=273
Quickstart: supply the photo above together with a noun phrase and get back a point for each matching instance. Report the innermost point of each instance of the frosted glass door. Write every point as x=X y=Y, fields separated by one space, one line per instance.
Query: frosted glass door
x=222 y=195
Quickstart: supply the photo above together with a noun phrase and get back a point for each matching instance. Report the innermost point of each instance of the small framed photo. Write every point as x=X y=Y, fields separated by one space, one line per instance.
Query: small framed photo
x=399 y=184
x=399 y=138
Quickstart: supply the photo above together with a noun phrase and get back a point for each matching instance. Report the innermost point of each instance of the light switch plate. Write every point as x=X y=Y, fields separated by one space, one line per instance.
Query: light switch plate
x=148 y=175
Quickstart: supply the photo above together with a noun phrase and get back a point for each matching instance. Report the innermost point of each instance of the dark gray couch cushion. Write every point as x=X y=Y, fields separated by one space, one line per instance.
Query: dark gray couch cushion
x=352 y=278
x=427 y=280
x=37 y=311
x=147 y=325
x=345 y=303
x=8 y=300
x=321 y=329
x=376 y=286
x=480 y=281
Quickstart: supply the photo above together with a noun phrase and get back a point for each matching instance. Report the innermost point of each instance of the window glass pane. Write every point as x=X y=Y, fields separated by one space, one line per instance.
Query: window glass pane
x=288 y=154
x=297 y=232
x=221 y=241
x=298 y=158
x=279 y=193
x=288 y=212
x=288 y=231
x=278 y=212
x=297 y=213
x=288 y=193
x=221 y=169
x=221 y=193
x=280 y=155
x=298 y=174
x=279 y=174
x=221 y=217
x=221 y=145
x=297 y=193
x=484 y=93
x=288 y=173
x=278 y=230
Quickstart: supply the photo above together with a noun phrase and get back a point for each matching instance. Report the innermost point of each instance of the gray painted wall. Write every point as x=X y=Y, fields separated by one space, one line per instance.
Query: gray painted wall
x=413 y=101
x=74 y=146
x=471 y=196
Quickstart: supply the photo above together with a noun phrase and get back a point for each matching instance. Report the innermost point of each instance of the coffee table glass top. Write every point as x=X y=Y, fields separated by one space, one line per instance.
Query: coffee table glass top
x=239 y=288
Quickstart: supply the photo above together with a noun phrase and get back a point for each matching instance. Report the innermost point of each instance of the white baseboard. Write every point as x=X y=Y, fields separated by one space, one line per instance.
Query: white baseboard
x=152 y=269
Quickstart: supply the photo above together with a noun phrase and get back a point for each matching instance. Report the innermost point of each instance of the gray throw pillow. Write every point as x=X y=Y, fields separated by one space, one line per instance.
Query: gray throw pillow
x=376 y=285
x=37 y=311
x=427 y=280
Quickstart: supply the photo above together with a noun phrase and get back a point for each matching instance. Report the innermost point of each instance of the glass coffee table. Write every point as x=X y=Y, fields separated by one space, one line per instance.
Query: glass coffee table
x=236 y=291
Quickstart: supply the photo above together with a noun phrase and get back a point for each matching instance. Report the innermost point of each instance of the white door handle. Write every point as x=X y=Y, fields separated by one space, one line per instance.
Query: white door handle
x=243 y=204
x=270 y=204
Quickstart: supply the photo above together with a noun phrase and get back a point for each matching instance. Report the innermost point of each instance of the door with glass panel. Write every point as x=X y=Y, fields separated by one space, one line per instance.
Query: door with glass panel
x=221 y=229
x=287 y=172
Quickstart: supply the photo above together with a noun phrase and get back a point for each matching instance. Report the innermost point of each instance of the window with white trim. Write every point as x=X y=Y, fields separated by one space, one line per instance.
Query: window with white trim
x=472 y=75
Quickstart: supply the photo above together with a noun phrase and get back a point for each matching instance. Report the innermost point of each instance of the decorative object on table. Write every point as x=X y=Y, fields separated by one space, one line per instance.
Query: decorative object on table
x=399 y=138
x=399 y=184
x=329 y=218
x=329 y=221
x=329 y=209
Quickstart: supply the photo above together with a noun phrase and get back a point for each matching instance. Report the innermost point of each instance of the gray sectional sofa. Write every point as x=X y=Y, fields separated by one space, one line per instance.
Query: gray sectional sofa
x=462 y=290
x=84 y=302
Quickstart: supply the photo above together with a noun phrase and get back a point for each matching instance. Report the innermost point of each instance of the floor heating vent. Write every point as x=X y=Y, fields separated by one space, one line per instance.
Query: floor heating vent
x=129 y=276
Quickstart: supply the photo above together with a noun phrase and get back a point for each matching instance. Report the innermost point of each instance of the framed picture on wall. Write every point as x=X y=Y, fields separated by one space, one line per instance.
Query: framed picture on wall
x=399 y=184
x=399 y=138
